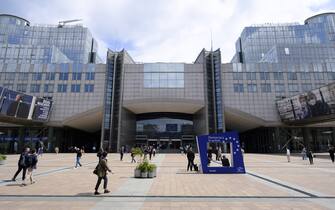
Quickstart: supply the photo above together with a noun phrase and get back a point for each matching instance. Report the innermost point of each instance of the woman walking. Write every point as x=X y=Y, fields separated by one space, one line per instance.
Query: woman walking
x=101 y=172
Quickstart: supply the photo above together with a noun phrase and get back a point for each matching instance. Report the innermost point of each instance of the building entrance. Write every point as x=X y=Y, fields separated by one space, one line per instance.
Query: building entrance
x=165 y=131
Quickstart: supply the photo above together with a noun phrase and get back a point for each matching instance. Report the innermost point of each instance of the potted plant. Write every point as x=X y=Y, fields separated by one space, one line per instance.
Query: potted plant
x=151 y=170
x=144 y=168
x=2 y=159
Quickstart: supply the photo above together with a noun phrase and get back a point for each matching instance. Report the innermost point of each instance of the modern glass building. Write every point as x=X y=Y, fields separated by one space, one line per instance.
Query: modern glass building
x=279 y=73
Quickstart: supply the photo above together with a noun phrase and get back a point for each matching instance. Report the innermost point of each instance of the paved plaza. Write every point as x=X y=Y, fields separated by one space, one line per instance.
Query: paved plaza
x=270 y=183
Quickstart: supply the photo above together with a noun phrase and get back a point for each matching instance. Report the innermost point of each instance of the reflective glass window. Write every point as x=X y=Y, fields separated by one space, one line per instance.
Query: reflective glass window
x=238 y=88
x=252 y=88
x=89 y=88
x=75 y=88
x=35 y=88
x=266 y=88
x=62 y=88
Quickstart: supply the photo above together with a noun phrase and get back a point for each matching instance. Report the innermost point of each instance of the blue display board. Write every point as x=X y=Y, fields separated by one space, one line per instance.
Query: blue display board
x=237 y=165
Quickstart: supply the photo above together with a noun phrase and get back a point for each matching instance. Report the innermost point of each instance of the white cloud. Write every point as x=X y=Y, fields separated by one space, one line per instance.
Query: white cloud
x=174 y=30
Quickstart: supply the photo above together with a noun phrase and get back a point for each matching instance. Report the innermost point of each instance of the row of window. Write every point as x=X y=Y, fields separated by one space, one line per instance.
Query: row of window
x=49 y=88
x=280 y=75
x=266 y=87
x=49 y=76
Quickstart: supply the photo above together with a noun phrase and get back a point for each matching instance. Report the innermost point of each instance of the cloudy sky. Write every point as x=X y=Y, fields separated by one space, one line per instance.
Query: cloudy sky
x=169 y=30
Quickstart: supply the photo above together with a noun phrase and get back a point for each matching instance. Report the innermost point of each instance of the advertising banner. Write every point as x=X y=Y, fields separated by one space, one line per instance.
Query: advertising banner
x=317 y=103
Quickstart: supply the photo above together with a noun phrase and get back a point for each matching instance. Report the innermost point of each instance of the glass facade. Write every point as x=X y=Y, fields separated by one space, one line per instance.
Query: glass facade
x=288 y=43
x=21 y=42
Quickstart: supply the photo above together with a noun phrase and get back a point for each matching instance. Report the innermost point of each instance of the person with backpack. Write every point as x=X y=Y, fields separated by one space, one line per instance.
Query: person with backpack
x=101 y=172
x=22 y=164
x=31 y=165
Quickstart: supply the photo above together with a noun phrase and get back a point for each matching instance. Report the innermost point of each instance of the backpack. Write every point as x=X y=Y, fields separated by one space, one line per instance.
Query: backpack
x=95 y=171
x=23 y=159
x=28 y=162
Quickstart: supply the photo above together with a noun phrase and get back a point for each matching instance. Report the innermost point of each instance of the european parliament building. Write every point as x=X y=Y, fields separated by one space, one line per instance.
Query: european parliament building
x=277 y=91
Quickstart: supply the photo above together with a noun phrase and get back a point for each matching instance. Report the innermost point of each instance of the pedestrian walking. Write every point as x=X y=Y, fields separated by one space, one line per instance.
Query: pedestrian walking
x=79 y=153
x=331 y=153
x=303 y=153
x=40 y=151
x=150 y=152
x=153 y=151
x=310 y=157
x=288 y=154
x=121 y=153
x=190 y=159
x=101 y=172
x=22 y=165
x=132 y=154
x=31 y=165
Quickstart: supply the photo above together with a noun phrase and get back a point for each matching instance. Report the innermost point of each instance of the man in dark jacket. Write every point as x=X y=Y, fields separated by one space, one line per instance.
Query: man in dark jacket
x=225 y=161
x=22 y=164
x=190 y=158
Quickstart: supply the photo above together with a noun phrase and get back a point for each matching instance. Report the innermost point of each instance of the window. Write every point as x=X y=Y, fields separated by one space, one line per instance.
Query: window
x=252 y=88
x=266 y=88
x=76 y=76
x=22 y=87
x=164 y=80
x=89 y=88
x=62 y=88
x=23 y=76
x=278 y=76
x=264 y=75
x=251 y=76
x=50 y=76
x=90 y=75
x=305 y=76
x=292 y=76
x=36 y=76
x=306 y=87
x=331 y=75
x=63 y=76
x=35 y=88
x=293 y=88
x=318 y=76
x=49 y=88
x=10 y=76
x=163 y=75
x=238 y=88
x=237 y=75
x=75 y=88
x=9 y=86
x=279 y=88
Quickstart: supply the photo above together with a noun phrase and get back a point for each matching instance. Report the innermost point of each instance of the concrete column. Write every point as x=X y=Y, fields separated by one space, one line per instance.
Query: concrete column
x=21 y=139
x=51 y=139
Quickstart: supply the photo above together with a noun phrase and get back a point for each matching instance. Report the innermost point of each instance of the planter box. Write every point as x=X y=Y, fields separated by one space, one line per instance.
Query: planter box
x=137 y=173
x=2 y=162
x=144 y=174
x=151 y=174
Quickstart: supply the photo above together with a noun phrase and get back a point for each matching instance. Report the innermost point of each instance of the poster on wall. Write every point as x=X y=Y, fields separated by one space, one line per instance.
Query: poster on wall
x=42 y=109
